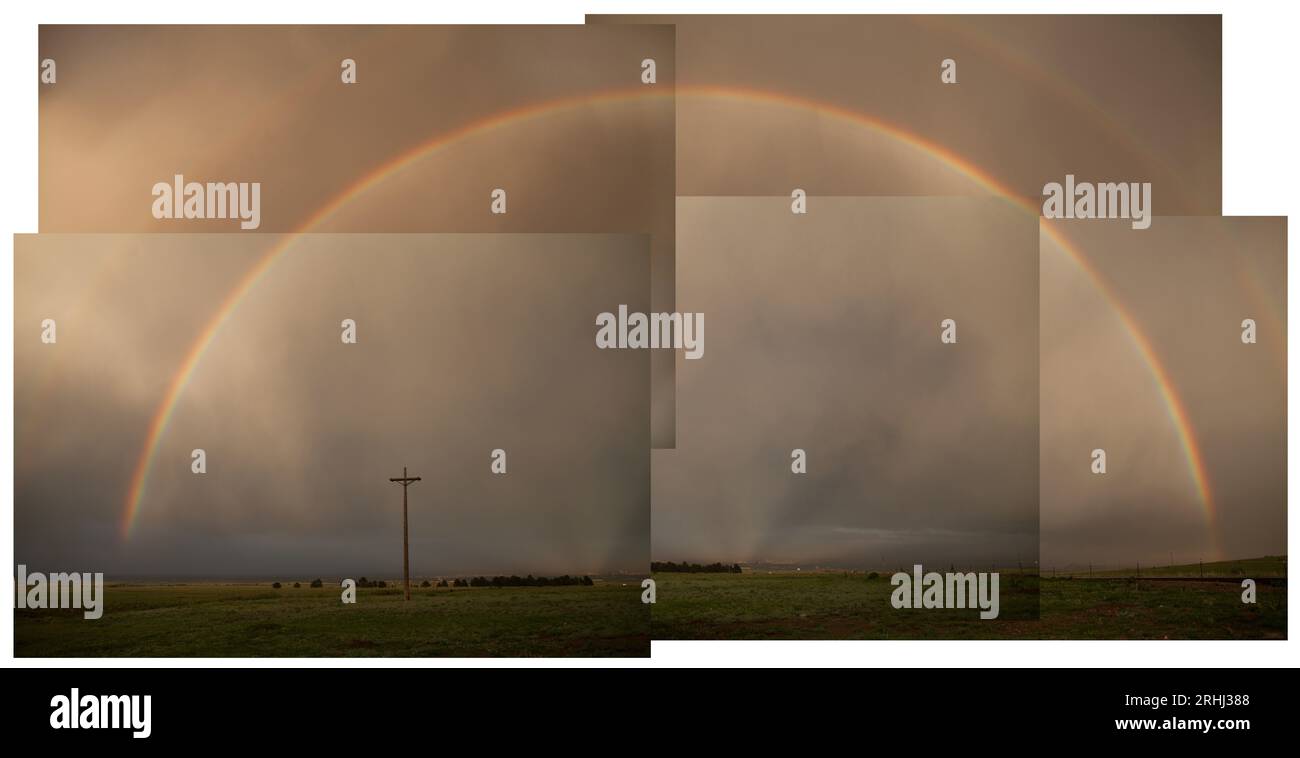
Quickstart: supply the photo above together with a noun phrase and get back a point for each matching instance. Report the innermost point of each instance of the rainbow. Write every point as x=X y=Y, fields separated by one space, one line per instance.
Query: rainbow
x=1174 y=407
x=162 y=417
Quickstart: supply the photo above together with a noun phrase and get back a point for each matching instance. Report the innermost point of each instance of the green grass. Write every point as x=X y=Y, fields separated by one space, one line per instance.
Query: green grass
x=827 y=605
x=234 y=620
x=231 y=620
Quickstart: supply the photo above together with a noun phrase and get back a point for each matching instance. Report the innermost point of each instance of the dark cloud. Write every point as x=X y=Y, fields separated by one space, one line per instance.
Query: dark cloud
x=439 y=117
x=824 y=334
x=1184 y=285
x=466 y=343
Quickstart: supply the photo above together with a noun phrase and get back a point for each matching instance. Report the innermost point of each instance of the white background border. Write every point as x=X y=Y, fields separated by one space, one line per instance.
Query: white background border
x=1259 y=179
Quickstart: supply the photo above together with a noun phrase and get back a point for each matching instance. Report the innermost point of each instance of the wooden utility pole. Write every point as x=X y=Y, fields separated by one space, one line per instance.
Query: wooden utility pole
x=405 y=481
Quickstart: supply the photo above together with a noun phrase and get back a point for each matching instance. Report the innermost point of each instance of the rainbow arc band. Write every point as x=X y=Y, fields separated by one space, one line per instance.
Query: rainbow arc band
x=162 y=417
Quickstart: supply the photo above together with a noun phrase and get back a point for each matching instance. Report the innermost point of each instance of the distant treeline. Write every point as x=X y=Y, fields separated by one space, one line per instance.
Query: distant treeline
x=695 y=568
x=498 y=581
x=527 y=581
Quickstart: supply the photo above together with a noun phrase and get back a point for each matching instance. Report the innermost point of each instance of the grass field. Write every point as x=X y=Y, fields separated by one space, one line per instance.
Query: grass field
x=827 y=605
x=220 y=620
x=244 y=620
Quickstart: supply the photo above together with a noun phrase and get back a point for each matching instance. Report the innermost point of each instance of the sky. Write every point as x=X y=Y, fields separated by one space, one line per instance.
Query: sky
x=822 y=334
x=825 y=336
x=822 y=329
x=439 y=117
x=465 y=344
x=829 y=103
x=1186 y=284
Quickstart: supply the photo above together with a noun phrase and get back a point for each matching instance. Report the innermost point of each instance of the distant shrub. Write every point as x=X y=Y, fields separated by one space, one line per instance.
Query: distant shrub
x=873 y=575
x=275 y=585
x=425 y=583
x=296 y=585
x=317 y=583
x=443 y=583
